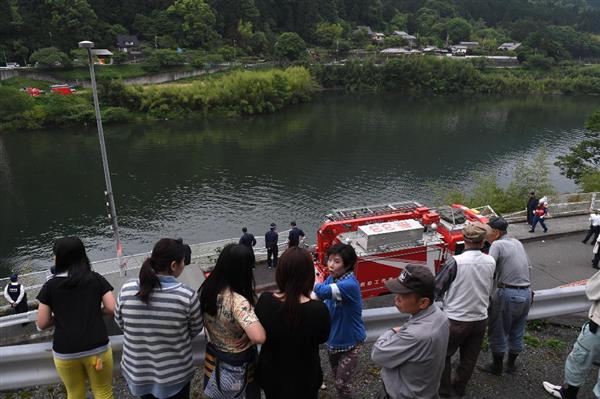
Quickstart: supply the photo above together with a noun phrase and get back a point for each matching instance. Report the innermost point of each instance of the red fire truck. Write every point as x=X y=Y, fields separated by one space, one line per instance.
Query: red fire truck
x=388 y=237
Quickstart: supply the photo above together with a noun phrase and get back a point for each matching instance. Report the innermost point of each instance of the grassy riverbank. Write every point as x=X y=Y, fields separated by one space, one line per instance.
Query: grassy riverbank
x=242 y=92
x=234 y=93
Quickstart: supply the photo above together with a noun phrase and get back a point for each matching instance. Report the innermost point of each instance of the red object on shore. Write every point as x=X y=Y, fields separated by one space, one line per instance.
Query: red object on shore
x=34 y=91
x=62 y=89
x=388 y=237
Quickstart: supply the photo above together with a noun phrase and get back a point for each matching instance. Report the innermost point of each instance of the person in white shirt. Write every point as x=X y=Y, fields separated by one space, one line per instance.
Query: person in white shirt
x=594 y=227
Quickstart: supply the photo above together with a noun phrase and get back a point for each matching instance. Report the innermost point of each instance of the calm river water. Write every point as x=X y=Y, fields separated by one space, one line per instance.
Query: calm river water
x=204 y=179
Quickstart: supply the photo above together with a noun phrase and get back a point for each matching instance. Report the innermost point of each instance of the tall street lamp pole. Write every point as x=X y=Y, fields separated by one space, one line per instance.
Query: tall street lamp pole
x=109 y=192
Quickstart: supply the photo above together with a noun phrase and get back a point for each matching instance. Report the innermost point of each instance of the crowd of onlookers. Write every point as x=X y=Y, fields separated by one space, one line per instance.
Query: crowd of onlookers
x=475 y=292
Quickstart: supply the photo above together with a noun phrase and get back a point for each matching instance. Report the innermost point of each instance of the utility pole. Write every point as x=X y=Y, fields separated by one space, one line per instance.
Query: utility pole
x=109 y=192
x=234 y=48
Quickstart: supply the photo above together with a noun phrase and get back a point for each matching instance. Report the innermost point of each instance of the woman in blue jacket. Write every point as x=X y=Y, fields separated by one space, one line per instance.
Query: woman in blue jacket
x=341 y=293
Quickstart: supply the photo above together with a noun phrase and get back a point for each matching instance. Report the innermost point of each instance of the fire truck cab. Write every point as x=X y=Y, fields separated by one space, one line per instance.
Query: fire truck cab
x=388 y=237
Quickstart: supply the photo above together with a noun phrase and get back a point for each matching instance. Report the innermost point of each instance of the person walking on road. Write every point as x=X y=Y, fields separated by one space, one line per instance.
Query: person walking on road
x=411 y=356
x=594 y=227
x=295 y=236
x=15 y=295
x=512 y=299
x=341 y=293
x=586 y=350
x=532 y=203
x=271 y=241
x=539 y=215
x=465 y=284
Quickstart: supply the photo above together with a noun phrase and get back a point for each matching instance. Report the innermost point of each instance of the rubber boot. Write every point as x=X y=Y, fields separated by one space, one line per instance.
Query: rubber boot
x=510 y=366
x=569 y=392
x=496 y=366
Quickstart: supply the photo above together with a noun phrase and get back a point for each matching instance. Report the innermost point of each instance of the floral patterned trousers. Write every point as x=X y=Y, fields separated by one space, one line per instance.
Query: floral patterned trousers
x=342 y=366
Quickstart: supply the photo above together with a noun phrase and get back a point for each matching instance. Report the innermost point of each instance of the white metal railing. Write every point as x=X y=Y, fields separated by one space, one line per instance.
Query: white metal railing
x=32 y=364
x=205 y=254
x=563 y=205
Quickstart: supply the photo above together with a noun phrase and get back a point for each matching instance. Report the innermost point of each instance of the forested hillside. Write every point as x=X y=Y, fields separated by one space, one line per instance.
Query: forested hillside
x=559 y=29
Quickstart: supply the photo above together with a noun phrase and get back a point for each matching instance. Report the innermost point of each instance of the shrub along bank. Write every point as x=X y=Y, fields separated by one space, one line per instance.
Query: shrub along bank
x=236 y=93
x=419 y=75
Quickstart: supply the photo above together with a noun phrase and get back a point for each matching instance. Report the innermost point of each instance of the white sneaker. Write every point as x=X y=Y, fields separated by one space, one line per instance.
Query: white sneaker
x=553 y=390
x=323 y=386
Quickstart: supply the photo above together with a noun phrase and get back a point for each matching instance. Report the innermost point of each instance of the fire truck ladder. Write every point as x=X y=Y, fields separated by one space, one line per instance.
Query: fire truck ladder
x=372 y=210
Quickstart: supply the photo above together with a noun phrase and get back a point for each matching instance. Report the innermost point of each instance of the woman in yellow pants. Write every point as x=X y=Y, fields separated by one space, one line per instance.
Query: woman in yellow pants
x=71 y=301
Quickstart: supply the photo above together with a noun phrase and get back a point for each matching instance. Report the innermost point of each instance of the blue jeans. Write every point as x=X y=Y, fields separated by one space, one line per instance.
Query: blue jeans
x=536 y=220
x=586 y=351
x=507 y=318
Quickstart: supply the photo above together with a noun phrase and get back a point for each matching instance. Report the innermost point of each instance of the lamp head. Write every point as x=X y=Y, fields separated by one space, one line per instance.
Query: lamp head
x=86 y=44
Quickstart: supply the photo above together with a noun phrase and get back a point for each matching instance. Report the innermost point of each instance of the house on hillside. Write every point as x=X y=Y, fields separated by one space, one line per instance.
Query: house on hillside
x=469 y=45
x=410 y=39
x=509 y=46
x=366 y=29
x=378 y=37
x=459 y=51
x=102 y=56
x=128 y=44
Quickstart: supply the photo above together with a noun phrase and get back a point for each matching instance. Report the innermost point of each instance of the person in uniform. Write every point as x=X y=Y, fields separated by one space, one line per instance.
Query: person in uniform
x=15 y=295
x=586 y=350
x=247 y=240
x=295 y=236
x=412 y=356
x=594 y=227
x=271 y=239
x=465 y=285
x=511 y=301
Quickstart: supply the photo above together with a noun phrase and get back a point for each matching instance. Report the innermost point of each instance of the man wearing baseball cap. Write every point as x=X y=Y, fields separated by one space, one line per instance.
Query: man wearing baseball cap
x=412 y=356
x=465 y=284
x=511 y=302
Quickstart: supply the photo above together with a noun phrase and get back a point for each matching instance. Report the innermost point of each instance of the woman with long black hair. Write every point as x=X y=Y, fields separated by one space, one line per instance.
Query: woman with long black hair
x=289 y=364
x=159 y=317
x=71 y=301
x=227 y=301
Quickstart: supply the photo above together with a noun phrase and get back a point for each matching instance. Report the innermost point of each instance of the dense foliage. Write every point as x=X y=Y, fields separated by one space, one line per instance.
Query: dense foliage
x=235 y=93
x=554 y=29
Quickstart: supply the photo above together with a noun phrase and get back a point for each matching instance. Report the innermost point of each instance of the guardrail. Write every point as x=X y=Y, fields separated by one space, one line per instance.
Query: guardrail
x=32 y=365
x=561 y=206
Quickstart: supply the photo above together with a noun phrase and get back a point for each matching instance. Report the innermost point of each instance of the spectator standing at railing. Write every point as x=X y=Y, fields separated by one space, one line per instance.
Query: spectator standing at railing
x=289 y=365
x=412 y=356
x=248 y=240
x=295 y=236
x=227 y=301
x=594 y=227
x=271 y=241
x=511 y=300
x=15 y=295
x=586 y=350
x=341 y=293
x=465 y=284
x=159 y=317
x=71 y=302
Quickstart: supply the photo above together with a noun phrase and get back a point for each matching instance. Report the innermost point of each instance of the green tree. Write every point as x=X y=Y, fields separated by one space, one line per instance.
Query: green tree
x=290 y=47
x=197 y=21
x=70 y=19
x=328 y=34
x=582 y=163
x=50 y=57
x=458 y=29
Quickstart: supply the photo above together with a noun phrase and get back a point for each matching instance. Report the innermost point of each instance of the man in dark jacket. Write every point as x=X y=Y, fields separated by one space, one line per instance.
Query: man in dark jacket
x=271 y=239
x=295 y=236
x=532 y=203
x=15 y=295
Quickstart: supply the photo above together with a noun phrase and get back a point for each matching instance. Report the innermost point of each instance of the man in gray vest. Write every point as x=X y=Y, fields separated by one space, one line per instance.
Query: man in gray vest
x=465 y=284
x=510 y=303
x=412 y=356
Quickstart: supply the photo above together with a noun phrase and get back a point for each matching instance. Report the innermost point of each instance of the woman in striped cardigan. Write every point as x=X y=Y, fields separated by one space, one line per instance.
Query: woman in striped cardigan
x=159 y=317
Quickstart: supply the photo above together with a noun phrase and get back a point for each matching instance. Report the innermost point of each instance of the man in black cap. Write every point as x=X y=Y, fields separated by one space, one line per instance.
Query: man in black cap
x=412 y=356
x=511 y=301
x=295 y=236
x=271 y=239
